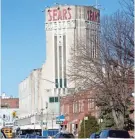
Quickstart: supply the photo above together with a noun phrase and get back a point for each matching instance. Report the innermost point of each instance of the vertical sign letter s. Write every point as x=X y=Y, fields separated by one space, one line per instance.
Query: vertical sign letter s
x=69 y=12
x=49 y=14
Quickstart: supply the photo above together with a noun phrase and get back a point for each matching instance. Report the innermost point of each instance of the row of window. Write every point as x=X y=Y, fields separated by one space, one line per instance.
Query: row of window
x=60 y=62
x=78 y=106
x=60 y=83
x=53 y=99
x=64 y=109
x=91 y=104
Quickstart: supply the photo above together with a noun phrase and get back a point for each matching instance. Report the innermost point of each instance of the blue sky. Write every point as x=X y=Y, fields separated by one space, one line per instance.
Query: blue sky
x=23 y=37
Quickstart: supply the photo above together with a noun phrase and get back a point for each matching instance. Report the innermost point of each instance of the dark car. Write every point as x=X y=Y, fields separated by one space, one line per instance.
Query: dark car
x=114 y=134
x=64 y=135
x=94 y=136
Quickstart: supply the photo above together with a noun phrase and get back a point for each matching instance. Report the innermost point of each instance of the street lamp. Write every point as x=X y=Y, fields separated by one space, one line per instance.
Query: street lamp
x=42 y=115
x=42 y=121
x=56 y=84
x=85 y=119
x=133 y=94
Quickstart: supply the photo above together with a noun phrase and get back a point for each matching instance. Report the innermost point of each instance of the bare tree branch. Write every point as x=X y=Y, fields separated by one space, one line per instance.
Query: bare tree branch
x=107 y=71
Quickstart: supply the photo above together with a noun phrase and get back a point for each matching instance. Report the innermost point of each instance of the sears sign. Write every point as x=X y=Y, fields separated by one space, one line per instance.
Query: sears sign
x=66 y=13
x=57 y=14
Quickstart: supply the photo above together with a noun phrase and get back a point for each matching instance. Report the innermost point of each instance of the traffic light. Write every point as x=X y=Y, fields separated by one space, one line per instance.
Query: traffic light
x=4 y=116
x=14 y=114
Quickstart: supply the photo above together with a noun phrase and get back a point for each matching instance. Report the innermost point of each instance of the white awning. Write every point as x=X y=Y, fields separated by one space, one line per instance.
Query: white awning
x=49 y=126
x=30 y=127
x=74 y=121
x=133 y=94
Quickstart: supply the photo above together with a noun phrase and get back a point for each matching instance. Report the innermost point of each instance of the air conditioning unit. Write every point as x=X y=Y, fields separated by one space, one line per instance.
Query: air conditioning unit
x=47 y=90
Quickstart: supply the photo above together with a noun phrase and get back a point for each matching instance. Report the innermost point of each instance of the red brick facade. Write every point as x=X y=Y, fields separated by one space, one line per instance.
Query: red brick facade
x=9 y=102
x=76 y=106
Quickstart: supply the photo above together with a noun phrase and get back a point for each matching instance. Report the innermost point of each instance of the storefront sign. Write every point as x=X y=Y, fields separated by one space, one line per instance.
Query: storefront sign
x=9 y=124
x=57 y=14
x=65 y=14
x=59 y=122
x=93 y=16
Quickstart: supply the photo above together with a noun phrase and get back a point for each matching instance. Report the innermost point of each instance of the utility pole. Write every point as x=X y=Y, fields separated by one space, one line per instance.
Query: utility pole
x=46 y=113
x=59 y=112
x=98 y=6
x=59 y=108
x=85 y=118
x=42 y=121
x=84 y=128
x=52 y=119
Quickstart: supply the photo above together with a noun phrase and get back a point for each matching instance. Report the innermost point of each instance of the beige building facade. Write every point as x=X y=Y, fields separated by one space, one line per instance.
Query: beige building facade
x=65 y=25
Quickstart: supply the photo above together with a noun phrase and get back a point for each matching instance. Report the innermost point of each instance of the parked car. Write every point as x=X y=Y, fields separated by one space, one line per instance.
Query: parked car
x=64 y=135
x=94 y=136
x=114 y=134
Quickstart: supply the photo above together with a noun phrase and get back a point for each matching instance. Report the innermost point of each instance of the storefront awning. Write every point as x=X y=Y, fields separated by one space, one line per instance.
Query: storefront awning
x=65 y=122
x=30 y=127
x=60 y=118
x=77 y=119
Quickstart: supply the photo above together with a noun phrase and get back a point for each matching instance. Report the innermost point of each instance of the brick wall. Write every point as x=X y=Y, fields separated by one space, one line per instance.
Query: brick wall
x=68 y=102
x=76 y=106
x=10 y=102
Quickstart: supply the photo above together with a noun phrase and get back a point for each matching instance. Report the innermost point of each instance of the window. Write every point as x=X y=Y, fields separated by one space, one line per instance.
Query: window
x=56 y=99
x=56 y=61
x=81 y=106
x=91 y=104
x=64 y=61
x=57 y=135
x=104 y=134
x=62 y=109
x=75 y=107
x=67 y=108
x=118 y=134
x=60 y=65
x=51 y=99
x=67 y=136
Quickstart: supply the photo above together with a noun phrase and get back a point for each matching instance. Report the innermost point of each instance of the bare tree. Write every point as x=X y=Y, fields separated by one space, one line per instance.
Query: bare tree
x=108 y=71
x=128 y=7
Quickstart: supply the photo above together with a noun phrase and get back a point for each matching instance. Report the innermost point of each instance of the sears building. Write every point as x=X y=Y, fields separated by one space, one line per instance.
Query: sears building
x=64 y=26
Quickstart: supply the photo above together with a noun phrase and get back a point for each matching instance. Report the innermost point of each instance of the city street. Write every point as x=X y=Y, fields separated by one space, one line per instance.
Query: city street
x=67 y=69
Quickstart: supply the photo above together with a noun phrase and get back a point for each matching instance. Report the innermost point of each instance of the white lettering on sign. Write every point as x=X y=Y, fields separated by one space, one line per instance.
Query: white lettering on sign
x=9 y=124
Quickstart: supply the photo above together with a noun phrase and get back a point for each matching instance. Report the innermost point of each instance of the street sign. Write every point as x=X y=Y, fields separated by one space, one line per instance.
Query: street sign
x=60 y=118
x=85 y=118
x=59 y=122
x=44 y=123
x=9 y=124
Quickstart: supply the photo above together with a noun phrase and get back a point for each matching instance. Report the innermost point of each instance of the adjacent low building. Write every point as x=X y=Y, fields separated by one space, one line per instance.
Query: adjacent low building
x=8 y=105
x=75 y=107
x=38 y=104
